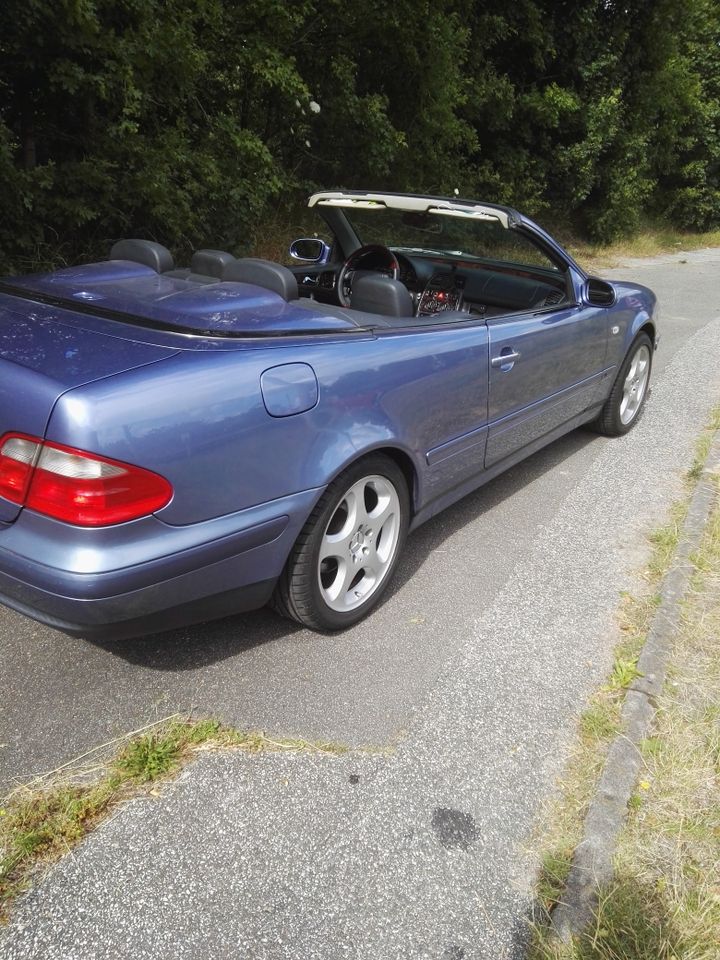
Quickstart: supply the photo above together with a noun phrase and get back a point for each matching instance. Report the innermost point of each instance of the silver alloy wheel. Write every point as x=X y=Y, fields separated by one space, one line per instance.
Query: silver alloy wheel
x=635 y=385
x=359 y=543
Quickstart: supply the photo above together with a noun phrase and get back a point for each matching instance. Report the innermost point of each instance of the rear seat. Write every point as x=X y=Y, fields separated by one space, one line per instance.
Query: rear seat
x=206 y=266
x=146 y=252
x=263 y=273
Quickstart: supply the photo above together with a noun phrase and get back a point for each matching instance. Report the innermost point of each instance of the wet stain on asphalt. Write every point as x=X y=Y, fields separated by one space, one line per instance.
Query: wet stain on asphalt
x=454 y=953
x=453 y=828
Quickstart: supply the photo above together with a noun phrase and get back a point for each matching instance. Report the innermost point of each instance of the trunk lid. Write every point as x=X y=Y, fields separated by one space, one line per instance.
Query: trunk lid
x=43 y=353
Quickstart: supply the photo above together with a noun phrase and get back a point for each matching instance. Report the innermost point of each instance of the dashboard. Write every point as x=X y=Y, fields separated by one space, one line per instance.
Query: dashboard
x=408 y=274
x=444 y=291
x=439 y=284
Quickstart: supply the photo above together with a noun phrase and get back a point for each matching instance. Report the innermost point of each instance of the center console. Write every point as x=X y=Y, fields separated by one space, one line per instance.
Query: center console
x=444 y=291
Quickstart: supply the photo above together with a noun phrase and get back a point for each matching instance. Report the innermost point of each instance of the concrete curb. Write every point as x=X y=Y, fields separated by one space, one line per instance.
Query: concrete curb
x=592 y=864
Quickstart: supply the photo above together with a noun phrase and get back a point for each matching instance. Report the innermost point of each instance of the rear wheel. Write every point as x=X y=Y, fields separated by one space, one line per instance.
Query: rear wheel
x=344 y=558
x=625 y=404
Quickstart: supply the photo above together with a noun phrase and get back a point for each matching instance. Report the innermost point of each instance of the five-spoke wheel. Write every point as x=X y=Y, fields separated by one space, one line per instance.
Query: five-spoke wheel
x=359 y=543
x=623 y=407
x=635 y=384
x=343 y=559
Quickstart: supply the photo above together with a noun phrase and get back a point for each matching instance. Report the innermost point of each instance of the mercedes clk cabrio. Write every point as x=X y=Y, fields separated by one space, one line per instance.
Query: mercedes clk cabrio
x=179 y=444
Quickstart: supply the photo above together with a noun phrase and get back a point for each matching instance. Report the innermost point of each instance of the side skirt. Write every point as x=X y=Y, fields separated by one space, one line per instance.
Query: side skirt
x=463 y=489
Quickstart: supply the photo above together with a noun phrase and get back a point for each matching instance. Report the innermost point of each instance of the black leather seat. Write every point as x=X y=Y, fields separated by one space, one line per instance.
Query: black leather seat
x=263 y=273
x=147 y=252
x=374 y=293
x=210 y=263
x=206 y=266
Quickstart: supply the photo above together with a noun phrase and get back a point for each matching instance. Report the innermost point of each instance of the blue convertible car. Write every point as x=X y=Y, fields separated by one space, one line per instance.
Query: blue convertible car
x=180 y=444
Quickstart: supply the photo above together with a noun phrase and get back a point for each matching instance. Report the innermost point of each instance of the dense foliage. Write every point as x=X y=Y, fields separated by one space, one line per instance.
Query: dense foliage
x=191 y=121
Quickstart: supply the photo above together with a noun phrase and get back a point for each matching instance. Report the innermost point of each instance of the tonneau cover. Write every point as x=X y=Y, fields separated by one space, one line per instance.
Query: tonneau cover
x=132 y=293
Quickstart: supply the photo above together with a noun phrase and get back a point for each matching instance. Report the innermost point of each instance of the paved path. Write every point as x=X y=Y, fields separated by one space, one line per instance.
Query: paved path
x=501 y=623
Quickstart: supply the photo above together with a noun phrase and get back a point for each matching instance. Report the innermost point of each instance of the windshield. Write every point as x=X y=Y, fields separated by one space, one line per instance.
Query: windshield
x=447 y=236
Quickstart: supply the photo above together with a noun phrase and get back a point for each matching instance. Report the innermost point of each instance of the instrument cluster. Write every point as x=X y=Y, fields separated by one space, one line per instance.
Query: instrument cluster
x=407 y=274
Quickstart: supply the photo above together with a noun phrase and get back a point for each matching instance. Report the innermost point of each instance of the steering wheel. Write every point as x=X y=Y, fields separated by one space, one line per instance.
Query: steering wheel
x=382 y=260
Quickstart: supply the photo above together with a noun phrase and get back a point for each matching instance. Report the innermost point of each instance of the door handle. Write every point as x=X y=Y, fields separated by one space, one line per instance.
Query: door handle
x=510 y=357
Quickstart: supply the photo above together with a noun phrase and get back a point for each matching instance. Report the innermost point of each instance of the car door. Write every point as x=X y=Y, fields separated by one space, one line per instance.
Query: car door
x=545 y=369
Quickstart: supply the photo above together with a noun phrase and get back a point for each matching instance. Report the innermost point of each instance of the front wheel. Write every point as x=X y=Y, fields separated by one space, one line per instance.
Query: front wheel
x=624 y=405
x=343 y=560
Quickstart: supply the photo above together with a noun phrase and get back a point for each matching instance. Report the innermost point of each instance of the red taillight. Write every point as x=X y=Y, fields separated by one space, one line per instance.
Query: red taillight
x=17 y=459
x=75 y=486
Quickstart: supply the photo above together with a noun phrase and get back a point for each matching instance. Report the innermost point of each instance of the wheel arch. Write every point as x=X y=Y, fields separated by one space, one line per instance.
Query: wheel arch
x=642 y=323
x=406 y=465
x=401 y=458
x=649 y=328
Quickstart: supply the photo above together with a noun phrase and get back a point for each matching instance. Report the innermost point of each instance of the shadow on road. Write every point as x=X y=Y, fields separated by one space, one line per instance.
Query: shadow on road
x=191 y=648
x=201 y=645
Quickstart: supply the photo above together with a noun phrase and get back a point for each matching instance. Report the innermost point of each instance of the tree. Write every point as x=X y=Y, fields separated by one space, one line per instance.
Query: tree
x=186 y=121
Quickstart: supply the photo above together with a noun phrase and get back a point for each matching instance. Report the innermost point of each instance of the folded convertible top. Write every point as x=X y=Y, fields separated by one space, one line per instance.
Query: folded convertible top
x=133 y=293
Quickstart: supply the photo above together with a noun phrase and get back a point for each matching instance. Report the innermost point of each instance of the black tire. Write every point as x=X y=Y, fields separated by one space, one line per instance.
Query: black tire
x=300 y=593
x=612 y=422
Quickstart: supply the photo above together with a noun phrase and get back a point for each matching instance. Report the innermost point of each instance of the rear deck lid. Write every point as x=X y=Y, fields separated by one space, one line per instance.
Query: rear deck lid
x=134 y=294
x=42 y=355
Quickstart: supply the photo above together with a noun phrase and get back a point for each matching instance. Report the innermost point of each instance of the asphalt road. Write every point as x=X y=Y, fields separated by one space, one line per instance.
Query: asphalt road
x=500 y=624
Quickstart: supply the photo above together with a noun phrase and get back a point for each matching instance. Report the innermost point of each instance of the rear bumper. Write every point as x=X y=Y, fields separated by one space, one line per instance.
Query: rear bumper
x=147 y=576
x=211 y=607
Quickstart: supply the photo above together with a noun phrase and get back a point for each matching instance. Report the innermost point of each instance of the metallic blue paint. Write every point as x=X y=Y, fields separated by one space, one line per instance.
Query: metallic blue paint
x=558 y=374
x=249 y=430
x=289 y=389
x=41 y=359
x=229 y=307
x=94 y=577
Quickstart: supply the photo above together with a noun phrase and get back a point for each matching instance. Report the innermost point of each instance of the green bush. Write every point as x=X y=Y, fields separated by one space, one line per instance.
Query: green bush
x=193 y=121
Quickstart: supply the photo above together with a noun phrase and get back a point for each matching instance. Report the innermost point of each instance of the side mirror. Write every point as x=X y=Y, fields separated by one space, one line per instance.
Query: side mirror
x=310 y=249
x=599 y=292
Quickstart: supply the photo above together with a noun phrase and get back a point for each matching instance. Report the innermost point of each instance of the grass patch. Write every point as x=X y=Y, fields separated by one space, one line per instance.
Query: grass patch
x=601 y=721
x=702 y=448
x=623 y=673
x=665 y=540
x=42 y=821
x=651 y=241
x=664 y=903
x=632 y=923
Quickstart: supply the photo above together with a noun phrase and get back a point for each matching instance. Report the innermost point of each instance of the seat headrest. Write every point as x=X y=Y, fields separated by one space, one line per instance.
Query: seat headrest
x=263 y=273
x=374 y=293
x=210 y=263
x=147 y=252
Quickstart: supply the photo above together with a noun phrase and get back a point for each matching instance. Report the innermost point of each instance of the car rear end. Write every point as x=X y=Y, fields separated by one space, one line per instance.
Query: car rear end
x=103 y=526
